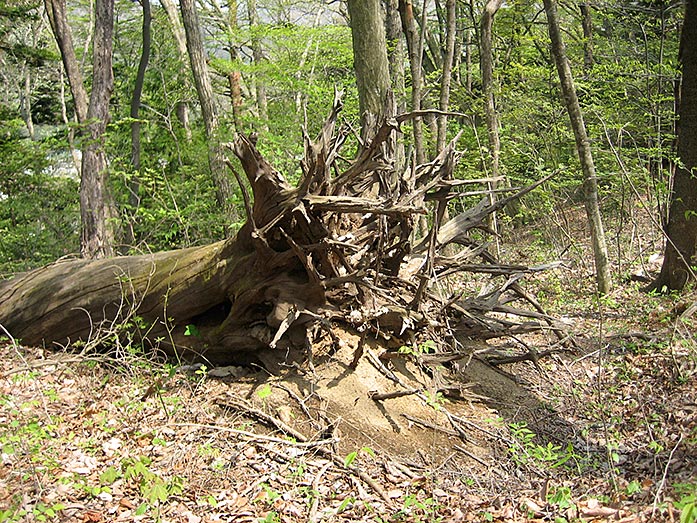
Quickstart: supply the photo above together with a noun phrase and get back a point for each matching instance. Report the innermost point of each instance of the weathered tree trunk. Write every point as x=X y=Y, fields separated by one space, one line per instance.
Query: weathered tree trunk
x=199 y=68
x=97 y=207
x=590 y=183
x=681 y=229
x=307 y=258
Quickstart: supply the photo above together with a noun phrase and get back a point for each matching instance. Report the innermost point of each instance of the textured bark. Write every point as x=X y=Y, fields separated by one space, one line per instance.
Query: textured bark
x=411 y=33
x=370 y=62
x=97 y=208
x=307 y=258
x=209 y=111
x=590 y=184
x=681 y=228
x=98 y=212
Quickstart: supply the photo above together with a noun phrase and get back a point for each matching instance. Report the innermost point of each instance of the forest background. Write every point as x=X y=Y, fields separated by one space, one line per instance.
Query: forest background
x=623 y=56
x=486 y=71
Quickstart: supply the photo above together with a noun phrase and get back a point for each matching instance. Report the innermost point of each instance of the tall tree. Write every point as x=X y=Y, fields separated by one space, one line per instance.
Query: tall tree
x=98 y=213
x=590 y=183
x=135 y=101
x=370 y=62
x=415 y=51
x=180 y=38
x=258 y=57
x=209 y=111
x=451 y=30
x=681 y=228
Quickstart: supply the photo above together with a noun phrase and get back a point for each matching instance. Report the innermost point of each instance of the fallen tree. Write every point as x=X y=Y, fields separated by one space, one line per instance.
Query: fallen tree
x=338 y=248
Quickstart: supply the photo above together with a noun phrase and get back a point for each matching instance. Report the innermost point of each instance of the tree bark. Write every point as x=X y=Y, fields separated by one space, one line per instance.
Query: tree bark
x=486 y=61
x=98 y=213
x=370 y=63
x=587 y=24
x=182 y=108
x=199 y=68
x=406 y=11
x=590 y=184
x=451 y=29
x=681 y=228
x=258 y=57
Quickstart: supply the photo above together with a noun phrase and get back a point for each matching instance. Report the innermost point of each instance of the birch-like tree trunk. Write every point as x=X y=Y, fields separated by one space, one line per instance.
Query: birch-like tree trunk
x=590 y=183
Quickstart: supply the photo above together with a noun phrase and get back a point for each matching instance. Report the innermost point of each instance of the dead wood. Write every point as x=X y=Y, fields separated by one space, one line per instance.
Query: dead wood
x=339 y=247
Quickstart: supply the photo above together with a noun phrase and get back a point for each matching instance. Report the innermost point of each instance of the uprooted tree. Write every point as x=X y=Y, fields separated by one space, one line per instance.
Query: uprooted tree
x=337 y=249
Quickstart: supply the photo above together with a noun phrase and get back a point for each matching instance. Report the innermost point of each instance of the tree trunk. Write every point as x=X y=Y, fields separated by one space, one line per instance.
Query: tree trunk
x=590 y=184
x=58 y=18
x=396 y=57
x=370 y=63
x=182 y=108
x=98 y=213
x=134 y=183
x=681 y=229
x=406 y=11
x=199 y=68
x=258 y=57
x=587 y=23
x=234 y=76
x=447 y=73
x=307 y=258
x=97 y=208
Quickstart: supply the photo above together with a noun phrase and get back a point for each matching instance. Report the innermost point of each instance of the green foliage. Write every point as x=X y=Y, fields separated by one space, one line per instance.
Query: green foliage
x=39 y=214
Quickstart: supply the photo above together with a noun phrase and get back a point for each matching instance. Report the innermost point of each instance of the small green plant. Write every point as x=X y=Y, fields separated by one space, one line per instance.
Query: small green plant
x=687 y=502
x=524 y=449
x=351 y=456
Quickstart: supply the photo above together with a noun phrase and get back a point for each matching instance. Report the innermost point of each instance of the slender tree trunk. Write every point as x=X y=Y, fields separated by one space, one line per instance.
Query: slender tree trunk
x=411 y=33
x=182 y=108
x=396 y=58
x=258 y=57
x=26 y=102
x=590 y=184
x=98 y=213
x=486 y=61
x=587 y=23
x=58 y=19
x=681 y=228
x=234 y=76
x=447 y=72
x=199 y=68
x=134 y=185
x=370 y=62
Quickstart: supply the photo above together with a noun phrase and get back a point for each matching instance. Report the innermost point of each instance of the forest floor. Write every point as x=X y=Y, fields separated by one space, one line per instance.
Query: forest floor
x=606 y=431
